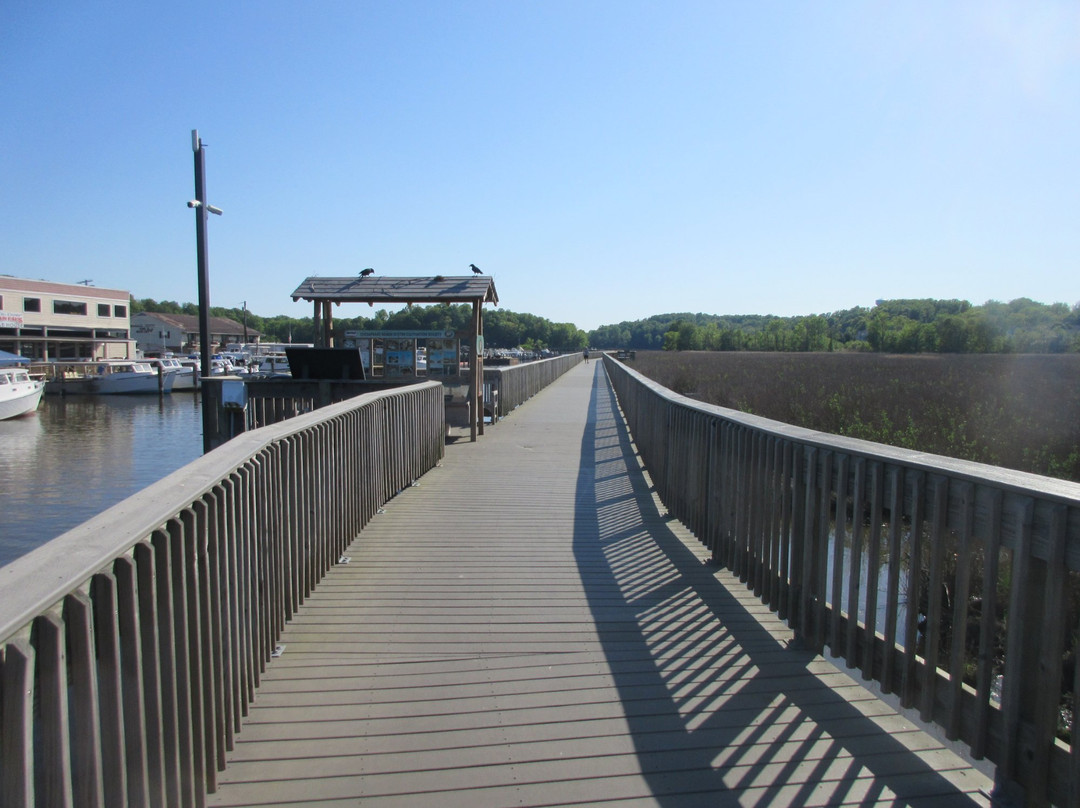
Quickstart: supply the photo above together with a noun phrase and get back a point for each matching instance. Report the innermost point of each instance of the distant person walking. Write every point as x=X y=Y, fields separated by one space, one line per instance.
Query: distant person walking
x=585 y=353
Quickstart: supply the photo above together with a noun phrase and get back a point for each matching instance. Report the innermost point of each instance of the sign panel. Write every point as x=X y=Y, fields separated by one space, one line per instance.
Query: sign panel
x=448 y=334
x=10 y=319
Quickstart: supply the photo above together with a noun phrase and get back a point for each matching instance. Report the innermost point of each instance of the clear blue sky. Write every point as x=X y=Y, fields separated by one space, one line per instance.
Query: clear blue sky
x=604 y=161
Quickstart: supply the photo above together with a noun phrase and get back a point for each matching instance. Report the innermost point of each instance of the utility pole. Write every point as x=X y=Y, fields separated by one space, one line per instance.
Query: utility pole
x=201 y=209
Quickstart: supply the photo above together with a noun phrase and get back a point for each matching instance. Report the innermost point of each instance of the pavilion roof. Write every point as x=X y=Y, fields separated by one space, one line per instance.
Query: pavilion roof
x=383 y=289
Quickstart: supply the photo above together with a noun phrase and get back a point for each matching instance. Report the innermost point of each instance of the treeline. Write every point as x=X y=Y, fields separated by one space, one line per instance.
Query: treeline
x=502 y=328
x=891 y=326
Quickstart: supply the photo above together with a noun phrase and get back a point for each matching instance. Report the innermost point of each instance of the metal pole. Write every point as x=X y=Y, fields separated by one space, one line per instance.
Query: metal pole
x=204 y=276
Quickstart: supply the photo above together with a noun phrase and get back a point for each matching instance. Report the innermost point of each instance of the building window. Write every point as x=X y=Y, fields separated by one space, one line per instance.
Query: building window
x=103 y=309
x=68 y=307
x=119 y=311
x=31 y=304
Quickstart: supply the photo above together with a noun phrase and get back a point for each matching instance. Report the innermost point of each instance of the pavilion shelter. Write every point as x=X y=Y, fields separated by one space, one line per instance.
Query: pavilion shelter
x=476 y=290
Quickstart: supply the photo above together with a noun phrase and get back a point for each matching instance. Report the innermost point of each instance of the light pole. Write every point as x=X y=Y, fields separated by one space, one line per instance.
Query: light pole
x=201 y=209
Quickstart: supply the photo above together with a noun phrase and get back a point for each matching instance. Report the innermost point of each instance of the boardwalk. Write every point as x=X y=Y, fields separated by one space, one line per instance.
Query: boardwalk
x=525 y=627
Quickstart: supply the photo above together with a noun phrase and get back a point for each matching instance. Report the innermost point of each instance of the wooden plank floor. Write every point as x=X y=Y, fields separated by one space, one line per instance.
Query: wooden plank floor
x=525 y=627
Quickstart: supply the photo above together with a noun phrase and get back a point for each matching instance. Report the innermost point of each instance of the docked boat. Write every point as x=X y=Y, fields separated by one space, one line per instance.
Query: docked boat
x=183 y=375
x=19 y=394
x=106 y=377
x=273 y=364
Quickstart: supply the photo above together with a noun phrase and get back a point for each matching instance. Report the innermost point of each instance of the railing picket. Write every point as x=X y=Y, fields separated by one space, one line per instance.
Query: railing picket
x=772 y=520
x=988 y=628
x=83 y=705
x=1016 y=661
x=807 y=528
x=174 y=678
x=17 y=723
x=839 y=540
x=757 y=515
x=821 y=550
x=161 y=726
x=52 y=786
x=1051 y=649
x=138 y=737
x=784 y=536
x=110 y=688
x=873 y=569
x=110 y=721
x=892 y=597
x=854 y=589
x=207 y=548
x=797 y=591
x=909 y=681
x=190 y=569
x=965 y=494
x=231 y=604
x=938 y=525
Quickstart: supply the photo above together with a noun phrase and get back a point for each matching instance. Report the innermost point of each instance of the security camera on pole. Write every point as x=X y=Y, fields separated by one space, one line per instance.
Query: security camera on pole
x=201 y=208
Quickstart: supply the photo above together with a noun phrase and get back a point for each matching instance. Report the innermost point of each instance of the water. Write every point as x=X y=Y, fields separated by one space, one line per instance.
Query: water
x=79 y=455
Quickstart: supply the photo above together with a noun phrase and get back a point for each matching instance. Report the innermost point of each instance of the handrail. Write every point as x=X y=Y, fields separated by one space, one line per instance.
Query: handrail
x=131 y=646
x=516 y=384
x=824 y=530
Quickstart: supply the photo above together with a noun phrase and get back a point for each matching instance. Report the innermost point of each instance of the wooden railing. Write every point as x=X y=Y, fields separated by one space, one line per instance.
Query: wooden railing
x=952 y=584
x=516 y=384
x=131 y=646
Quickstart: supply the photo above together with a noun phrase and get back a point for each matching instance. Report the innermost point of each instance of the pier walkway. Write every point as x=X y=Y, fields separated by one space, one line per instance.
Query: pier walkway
x=525 y=626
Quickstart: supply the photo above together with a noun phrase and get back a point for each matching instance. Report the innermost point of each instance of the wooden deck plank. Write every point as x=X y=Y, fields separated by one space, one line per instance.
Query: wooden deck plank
x=527 y=627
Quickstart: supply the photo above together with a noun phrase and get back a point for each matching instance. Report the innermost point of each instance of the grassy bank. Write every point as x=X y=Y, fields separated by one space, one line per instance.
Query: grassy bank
x=1017 y=411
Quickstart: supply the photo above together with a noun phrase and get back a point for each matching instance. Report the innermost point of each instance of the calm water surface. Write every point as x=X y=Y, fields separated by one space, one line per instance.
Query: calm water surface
x=79 y=455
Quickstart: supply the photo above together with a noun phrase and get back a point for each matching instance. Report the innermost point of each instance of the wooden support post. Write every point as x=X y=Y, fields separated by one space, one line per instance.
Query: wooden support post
x=476 y=384
x=328 y=324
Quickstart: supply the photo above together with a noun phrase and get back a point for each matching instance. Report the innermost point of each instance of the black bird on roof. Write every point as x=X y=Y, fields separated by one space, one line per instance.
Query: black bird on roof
x=475 y=269
x=365 y=272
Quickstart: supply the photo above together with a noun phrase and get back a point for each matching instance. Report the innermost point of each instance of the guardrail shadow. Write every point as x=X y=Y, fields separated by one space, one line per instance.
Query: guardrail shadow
x=717 y=703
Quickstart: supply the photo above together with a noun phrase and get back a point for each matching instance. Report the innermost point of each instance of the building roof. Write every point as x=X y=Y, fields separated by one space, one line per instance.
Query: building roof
x=376 y=289
x=189 y=323
x=11 y=283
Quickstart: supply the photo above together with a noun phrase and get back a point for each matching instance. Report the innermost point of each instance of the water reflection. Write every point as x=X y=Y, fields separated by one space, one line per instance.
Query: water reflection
x=78 y=456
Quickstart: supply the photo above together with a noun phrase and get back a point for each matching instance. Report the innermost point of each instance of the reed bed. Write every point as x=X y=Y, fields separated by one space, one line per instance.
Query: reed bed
x=1015 y=411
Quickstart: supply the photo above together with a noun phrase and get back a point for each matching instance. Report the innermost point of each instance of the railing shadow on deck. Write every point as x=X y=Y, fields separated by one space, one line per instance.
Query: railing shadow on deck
x=709 y=693
x=837 y=535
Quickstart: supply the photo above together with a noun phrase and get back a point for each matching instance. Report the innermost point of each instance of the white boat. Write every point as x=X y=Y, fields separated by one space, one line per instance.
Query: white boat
x=273 y=364
x=122 y=377
x=224 y=367
x=183 y=375
x=106 y=377
x=19 y=394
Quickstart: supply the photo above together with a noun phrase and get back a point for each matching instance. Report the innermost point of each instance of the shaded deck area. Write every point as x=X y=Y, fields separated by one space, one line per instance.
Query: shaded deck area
x=526 y=627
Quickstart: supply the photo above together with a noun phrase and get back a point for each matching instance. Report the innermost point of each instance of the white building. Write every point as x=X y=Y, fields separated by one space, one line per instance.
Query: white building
x=44 y=320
